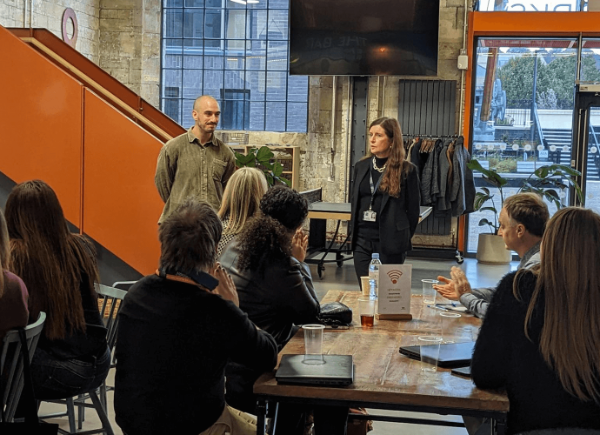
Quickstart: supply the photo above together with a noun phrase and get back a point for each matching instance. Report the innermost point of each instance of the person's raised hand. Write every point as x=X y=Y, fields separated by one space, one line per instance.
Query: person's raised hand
x=226 y=287
x=299 y=245
x=461 y=283
x=447 y=289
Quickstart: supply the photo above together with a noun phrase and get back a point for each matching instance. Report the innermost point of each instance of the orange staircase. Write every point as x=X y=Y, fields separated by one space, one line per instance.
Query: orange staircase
x=66 y=121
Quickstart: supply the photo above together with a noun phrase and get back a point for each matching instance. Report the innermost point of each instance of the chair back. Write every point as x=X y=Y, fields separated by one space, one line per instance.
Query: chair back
x=12 y=377
x=111 y=304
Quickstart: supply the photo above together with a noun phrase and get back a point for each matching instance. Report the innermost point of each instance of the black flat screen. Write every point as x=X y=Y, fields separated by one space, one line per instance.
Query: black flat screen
x=364 y=37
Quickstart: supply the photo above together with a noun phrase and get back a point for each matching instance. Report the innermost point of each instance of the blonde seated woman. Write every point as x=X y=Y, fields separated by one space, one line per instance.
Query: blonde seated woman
x=241 y=201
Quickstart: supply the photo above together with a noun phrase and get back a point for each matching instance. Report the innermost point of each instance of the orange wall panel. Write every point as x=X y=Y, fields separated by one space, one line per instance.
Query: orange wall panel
x=121 y=206
x=40 y=123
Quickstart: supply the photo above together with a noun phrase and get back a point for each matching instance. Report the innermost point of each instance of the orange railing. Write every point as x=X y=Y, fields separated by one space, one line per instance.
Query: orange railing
x=64 y=120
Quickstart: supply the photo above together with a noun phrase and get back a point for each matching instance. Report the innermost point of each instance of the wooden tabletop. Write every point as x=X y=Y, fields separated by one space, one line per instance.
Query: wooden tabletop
x=382 y=374
x=342 y=211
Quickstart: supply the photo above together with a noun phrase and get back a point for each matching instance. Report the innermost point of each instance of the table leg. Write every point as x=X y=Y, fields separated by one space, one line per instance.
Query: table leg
x=499 y=426
x=261 y=420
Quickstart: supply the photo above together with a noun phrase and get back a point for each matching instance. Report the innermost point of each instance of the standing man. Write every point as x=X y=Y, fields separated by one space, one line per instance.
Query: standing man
x=522 y=220
x=195 y=164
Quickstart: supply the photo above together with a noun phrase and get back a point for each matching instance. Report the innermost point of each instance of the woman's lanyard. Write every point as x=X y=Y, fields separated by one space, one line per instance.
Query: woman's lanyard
x=183 y=279
x=371 y=215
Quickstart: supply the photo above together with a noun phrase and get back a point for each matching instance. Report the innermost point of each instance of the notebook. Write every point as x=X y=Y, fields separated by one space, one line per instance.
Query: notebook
x=337 y=371
x=451 y=354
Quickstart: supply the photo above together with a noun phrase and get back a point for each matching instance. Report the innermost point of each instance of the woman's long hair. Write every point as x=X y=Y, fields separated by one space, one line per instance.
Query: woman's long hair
x=4 y=251
x=241 y=198
x=48 y=258
x=569 y=283
x=266 y=239
x=396 y=165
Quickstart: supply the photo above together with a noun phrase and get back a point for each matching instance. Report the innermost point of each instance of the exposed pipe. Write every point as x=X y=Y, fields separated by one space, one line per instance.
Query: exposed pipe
x=30 y=14
x=462 y=74
x=332 y=166
x=349 y=113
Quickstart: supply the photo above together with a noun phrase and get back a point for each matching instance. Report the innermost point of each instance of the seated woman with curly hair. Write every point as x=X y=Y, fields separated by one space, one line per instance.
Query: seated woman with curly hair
x=266 y=262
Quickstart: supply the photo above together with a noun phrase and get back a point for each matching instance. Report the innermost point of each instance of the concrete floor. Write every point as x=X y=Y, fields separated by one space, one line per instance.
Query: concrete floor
x=344 y=278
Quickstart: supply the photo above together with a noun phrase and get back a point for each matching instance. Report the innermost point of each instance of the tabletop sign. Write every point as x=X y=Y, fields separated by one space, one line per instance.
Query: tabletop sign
x=394 y=291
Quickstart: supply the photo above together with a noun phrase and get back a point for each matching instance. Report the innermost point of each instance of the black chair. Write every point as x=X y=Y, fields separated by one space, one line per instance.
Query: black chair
x=11 y=366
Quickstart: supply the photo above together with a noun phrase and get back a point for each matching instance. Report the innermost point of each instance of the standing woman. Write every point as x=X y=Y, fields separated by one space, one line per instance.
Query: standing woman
x=241 y=200
x=59 y=269
x=385 y=199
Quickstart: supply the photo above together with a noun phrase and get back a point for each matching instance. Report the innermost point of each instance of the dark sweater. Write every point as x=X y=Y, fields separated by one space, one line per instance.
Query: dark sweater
x=13 y=304
x=173 y=342
x=505 y=358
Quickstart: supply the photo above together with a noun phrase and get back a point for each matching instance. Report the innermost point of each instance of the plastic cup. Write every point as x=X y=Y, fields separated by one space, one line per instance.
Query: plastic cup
x=430 y=352
x=365 y=285
x=366 y=309
x=428 y=291
x=313 y=344
x=449 y=320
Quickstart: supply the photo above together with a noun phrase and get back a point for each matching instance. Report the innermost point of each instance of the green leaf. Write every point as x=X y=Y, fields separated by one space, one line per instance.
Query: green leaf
x=492 y=209
x=264 y=154
x=277 y=169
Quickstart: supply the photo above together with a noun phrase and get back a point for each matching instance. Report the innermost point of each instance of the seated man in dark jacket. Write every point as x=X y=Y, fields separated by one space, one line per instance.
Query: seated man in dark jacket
x=177 y=330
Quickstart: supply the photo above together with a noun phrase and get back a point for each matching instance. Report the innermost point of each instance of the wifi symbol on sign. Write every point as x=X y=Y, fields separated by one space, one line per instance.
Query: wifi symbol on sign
x=394 y=275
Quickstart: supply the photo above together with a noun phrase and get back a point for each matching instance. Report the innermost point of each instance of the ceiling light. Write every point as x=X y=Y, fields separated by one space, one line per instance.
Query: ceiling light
x=241 y=2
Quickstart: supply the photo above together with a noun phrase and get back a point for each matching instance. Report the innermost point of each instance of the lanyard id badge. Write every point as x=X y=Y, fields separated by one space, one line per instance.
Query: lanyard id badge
x=371 y=215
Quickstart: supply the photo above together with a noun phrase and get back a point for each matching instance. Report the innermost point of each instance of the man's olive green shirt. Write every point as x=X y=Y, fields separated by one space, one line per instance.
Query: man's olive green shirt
x=185 y=168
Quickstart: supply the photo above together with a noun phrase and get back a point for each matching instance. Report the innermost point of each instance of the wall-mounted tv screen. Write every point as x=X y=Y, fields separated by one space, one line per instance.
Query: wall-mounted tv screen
x=364 y=37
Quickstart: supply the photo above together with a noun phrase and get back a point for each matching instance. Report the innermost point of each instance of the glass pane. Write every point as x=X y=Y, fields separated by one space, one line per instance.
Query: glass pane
x=278 y=25
x=279 y=4
x=236 y=4
x=297 y=116
x=172 y=108
x=530 y=5
x=234 y=62
x=592 y=179
x=194 y=3
x=590 y=55
x=297 y=88
x=513 y=132
x=256 y=82
x=236 y=24
x=213 y=83
x=257 y=25
x=213 y=62
x=172 y=78
x=275 y=117
x=172 y=61
x=172 y=44
x=173 y=3
x=277 y=55
x=235 y=80
x=257 y=115
x=192 y=83
x=214 y=3
x=192 y=62
x=173 y=24
x=192 y=24
x=256 y=56
x=276 y=86
x=187 y=120
x=212 y=27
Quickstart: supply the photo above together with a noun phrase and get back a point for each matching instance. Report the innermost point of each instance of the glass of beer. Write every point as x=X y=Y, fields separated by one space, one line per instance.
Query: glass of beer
x=366 y=308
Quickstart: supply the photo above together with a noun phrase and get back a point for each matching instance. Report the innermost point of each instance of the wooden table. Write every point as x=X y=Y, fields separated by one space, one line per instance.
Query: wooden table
x=385 y=379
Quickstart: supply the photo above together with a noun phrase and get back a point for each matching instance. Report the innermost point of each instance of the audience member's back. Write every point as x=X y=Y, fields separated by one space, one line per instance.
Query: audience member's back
x=176 y=334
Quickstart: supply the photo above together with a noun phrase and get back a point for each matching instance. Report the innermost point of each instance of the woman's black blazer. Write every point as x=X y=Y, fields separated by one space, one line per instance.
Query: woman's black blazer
x=396 y=214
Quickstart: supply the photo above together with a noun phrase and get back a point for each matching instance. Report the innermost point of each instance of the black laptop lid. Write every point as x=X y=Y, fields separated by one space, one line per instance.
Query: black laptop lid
x=338 y=370
x=451 y=354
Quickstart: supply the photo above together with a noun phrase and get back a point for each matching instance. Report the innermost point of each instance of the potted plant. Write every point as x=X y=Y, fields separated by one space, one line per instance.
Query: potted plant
x=546 y=181
x=262 y=158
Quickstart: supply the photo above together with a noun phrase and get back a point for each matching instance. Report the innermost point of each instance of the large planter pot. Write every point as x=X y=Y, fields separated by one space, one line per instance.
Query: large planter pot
x=491 y=249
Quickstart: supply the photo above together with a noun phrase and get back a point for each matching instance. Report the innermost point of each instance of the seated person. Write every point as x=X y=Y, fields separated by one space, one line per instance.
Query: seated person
x=13 y=293
x=266 y=262
x=540 y=338
x=59 y=269
x=522 y=221
x=241 y=200
x=177 y=330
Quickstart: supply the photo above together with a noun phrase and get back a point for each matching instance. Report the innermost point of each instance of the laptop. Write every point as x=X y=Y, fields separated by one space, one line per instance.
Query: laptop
x=451 y=354
x=337 y=371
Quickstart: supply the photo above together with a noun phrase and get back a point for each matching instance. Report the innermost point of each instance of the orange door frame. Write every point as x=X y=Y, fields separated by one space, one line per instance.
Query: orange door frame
x=514 y=25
